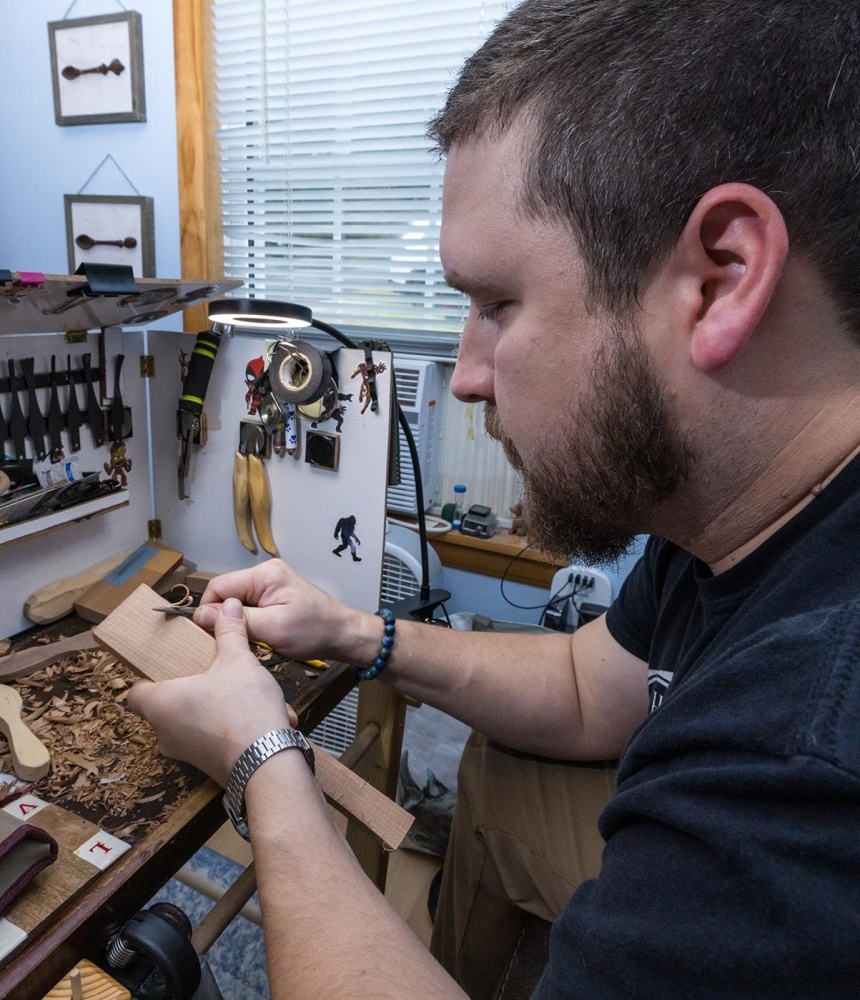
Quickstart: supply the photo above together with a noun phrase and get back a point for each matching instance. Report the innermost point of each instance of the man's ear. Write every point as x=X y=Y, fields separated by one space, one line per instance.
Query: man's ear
x=734 y=246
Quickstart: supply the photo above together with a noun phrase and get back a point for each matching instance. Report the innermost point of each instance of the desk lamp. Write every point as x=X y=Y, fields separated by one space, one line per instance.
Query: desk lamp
x=278 y=318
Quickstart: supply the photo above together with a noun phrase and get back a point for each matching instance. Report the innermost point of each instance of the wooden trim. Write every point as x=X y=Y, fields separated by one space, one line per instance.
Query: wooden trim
x=493 y=557
x=201 y=241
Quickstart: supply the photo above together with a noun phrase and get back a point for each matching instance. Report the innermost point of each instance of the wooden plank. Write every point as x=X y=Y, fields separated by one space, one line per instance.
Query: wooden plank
x=149 y=563
x=94 y=985
x=164 y=647
x=28 y=661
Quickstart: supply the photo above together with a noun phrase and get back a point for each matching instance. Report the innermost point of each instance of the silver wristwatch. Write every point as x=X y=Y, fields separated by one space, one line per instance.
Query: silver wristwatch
x=258 y=752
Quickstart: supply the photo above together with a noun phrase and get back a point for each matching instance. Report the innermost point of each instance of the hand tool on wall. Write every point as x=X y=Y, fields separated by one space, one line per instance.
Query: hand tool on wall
x=117 y=409
x=4 y=433
x=252 y=495
x=94 y=411
x=74 y=417
x=36 y=425
x=55 y=414
x=189 y=416
x=17 y=423
x=30 y=756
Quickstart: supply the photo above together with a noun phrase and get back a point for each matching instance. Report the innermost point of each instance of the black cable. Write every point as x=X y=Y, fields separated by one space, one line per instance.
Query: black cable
x=505 y=598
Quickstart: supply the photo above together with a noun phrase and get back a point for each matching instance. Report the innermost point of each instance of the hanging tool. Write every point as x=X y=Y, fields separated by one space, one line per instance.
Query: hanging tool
x=94 y=411
x=36 y=425
x=117 y=409
x=4 y=434
x=190 y=424
x=17 y=423
x=74 y=418
x=55 y=414
x=252 y=495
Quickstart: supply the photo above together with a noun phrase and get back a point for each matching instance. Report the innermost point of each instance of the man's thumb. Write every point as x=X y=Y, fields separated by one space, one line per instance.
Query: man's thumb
x=231 y=631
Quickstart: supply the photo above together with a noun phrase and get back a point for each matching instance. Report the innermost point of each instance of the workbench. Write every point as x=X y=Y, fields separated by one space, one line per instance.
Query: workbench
x=65 y=926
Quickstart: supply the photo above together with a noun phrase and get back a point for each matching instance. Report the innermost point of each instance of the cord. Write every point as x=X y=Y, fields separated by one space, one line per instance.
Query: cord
x=505 y=598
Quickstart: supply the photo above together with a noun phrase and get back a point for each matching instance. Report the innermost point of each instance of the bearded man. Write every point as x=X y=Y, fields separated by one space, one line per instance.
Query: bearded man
x=653 y=209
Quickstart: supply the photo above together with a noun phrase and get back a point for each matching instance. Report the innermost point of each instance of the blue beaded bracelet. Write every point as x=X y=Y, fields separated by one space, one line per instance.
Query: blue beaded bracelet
x=387 y=644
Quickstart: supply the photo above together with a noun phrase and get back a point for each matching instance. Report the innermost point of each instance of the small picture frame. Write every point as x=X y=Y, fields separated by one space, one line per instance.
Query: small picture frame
x=108 y=229
x=97 y=69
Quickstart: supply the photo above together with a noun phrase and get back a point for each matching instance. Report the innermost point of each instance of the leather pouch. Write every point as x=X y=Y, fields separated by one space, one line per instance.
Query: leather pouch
x=24 y=851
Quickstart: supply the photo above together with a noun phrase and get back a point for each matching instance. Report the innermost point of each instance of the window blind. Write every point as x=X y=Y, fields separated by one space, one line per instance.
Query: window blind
x=330 y=196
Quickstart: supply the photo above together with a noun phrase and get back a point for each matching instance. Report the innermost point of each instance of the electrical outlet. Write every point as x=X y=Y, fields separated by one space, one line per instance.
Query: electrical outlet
x=572 y=587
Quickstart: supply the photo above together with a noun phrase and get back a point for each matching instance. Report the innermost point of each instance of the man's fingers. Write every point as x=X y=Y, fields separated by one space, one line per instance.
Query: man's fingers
x=138 y=696
x=231 y=630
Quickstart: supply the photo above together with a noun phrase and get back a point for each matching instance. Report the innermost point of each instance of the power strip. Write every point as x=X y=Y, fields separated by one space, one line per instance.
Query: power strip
x=575 y=590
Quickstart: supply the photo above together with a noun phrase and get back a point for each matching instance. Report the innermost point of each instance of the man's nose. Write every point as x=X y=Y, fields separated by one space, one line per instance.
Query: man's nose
x=472 y=381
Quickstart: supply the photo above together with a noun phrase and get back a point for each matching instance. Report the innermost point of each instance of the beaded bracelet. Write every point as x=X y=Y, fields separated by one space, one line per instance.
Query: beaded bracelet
x=385 y=647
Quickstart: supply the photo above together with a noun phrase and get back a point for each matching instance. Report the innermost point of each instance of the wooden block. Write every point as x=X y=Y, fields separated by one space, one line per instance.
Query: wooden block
x=197 y=581
x=28 y=661
x=149 y=564
x=163 y=647
x=94 y=984
x=57 y=599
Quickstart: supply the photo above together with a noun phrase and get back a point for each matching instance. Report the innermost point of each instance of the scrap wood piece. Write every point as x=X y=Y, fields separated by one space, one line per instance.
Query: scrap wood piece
x=93 y=982
x=57 y=599
x=28 y=661
x=163 y=647
x=150 y=563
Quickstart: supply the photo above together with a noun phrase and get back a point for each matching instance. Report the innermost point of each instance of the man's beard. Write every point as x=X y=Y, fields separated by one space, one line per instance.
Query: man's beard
x=593 y=484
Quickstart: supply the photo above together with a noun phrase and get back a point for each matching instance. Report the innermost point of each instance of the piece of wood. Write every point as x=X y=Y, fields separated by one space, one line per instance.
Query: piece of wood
x=164 y=647
x=93 y=982
x=57 y=599
x=30 y=757
x=149 y=564
x=28 y=661
x=198 y=581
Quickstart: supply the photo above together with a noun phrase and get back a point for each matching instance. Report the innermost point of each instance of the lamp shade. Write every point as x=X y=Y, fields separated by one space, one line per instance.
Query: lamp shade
x=260 y=314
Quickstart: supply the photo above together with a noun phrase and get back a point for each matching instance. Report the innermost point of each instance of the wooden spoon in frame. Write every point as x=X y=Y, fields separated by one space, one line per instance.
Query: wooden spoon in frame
x=87 y=242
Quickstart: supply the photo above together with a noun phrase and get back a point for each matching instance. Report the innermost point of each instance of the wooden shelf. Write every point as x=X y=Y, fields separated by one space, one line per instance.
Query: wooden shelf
x=502 y=555
x=36 y=525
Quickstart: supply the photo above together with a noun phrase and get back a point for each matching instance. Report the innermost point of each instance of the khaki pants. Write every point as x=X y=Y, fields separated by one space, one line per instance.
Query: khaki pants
x=524 y=836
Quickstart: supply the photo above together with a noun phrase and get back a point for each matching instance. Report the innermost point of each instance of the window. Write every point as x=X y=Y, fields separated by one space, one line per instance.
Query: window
x=330 y=195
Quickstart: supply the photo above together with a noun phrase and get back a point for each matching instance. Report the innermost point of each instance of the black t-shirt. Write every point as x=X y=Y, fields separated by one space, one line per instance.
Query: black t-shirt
x=732 y=864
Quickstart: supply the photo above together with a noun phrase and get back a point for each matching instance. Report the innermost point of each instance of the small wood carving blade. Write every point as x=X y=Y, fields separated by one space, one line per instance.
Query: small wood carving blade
x=55 y=414
x=94 y=411
x=17 y=423
x=74 y=417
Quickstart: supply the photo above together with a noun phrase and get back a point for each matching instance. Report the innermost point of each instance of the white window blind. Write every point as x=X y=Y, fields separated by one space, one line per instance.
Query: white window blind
x=330 y=196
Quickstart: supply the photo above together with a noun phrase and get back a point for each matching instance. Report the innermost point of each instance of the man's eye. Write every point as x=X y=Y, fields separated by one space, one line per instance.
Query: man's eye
x=491 y=313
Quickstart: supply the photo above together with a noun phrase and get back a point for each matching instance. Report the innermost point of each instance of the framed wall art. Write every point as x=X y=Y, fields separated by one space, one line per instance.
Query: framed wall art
x=108 y=229
x=97 y=68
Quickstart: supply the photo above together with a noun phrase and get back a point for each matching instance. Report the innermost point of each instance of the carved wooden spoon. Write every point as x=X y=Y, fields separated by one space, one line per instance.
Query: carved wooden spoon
x=87 y=242
x=30 y=756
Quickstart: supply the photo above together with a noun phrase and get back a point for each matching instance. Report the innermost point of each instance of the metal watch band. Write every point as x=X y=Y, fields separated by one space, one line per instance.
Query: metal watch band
x=259 y=751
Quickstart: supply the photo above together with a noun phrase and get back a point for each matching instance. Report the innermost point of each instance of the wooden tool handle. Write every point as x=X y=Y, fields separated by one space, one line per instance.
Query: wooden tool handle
x=30 y=756
x=261 y=503
x=242 y=502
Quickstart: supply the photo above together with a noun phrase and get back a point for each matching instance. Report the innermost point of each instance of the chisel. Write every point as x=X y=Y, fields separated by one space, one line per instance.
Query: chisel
x=36 y=425
x=94 y=411
x=74 y=418
x=17 y=423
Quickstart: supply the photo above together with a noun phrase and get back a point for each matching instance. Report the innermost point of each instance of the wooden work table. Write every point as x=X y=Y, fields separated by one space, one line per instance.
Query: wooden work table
x=503 y=555
x=78 y=924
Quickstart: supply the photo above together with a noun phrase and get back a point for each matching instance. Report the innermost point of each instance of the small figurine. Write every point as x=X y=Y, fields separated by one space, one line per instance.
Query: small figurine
x=119 y=465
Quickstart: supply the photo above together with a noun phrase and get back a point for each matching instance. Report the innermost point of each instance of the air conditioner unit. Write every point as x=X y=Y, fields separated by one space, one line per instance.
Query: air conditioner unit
x=401 y=577
x=419 y=393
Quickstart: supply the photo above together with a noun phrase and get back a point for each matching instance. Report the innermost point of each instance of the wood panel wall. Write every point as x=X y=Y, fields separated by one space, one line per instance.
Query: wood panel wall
x=199 y=186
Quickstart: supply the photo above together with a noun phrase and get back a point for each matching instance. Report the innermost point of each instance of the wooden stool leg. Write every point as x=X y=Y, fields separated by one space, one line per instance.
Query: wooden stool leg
x=380 y=766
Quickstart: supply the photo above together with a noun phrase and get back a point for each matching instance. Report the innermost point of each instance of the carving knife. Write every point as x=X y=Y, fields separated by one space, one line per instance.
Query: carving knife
x=74 y=418
x=17 y=423
x=94 y=411
x=55 y=414
x=35 y=421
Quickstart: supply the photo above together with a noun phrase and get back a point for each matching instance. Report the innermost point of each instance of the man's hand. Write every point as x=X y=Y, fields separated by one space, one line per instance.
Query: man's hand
x=209 y=719
x=282 y=609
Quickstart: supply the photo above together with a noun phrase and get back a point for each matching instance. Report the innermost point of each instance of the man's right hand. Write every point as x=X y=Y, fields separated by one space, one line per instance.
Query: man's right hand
x=284 y=610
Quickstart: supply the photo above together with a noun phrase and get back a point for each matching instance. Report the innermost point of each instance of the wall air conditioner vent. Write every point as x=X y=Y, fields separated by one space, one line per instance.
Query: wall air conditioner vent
x=419 y=388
